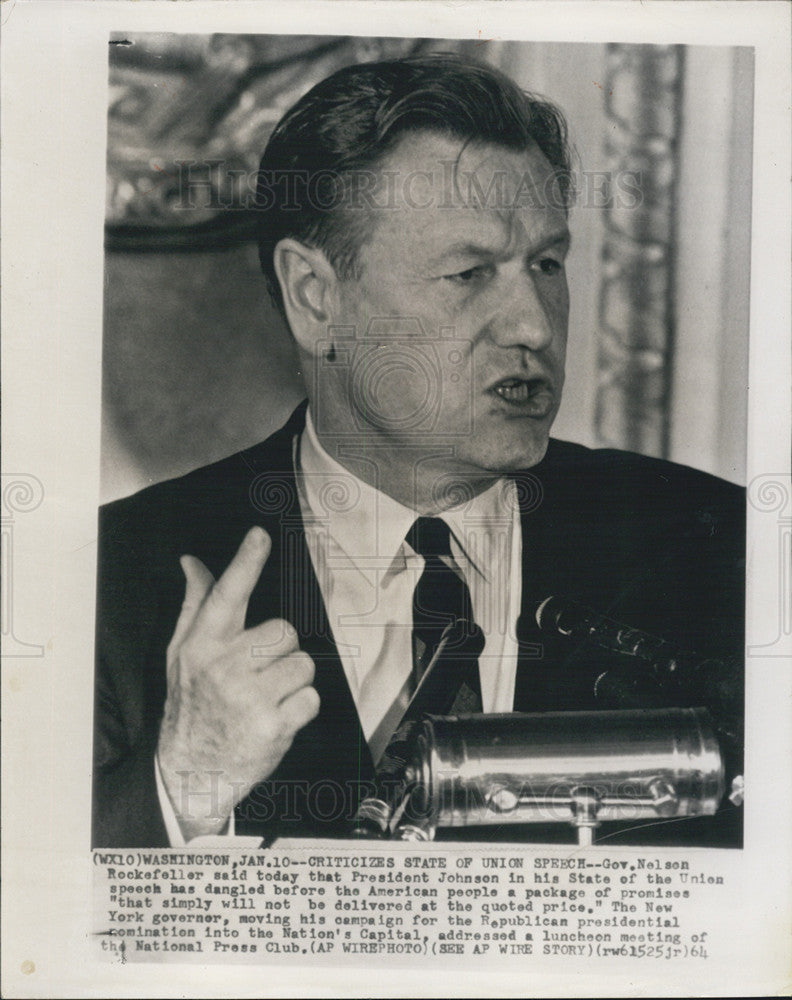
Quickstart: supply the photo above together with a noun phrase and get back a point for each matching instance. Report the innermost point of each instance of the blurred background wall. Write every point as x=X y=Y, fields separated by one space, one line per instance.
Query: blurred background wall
x=196 y=363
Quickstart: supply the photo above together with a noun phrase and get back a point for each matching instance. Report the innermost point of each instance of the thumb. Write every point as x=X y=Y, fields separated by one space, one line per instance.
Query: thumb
x=199 y=581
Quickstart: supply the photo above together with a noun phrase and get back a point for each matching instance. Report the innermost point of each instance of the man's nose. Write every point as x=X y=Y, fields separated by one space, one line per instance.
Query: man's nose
x=525 y=318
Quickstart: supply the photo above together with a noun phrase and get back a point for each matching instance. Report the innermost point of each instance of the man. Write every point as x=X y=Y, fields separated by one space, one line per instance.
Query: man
x=413 y=232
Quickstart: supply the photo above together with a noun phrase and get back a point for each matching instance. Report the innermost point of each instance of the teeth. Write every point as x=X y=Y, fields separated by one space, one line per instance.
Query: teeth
x=517 y=392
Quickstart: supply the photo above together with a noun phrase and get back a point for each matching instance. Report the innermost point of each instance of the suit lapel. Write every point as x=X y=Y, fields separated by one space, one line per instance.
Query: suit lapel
x=330 y=756
x=531 y=680
x=548 y=677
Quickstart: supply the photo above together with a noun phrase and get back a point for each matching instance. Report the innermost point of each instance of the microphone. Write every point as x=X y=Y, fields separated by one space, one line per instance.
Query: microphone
x=577 y=622
x=716 y=680
x=452 y=664
x=653 y=672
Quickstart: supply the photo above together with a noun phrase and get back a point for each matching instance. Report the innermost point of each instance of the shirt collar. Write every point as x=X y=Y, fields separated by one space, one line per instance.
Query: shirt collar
x=369 y=526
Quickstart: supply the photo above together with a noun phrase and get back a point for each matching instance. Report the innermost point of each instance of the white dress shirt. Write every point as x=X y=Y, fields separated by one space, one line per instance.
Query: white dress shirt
x=367 y=575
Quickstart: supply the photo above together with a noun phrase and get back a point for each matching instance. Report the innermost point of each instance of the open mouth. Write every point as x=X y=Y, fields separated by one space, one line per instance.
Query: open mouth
x=530 y=397
x=517 y=390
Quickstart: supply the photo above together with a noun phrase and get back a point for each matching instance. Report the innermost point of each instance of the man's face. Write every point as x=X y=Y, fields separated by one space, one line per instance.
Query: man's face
x=459 y=316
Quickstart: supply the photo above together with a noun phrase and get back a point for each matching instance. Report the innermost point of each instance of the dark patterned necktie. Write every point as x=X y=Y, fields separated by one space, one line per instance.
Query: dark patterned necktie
x=443 y=630
x=442 y=598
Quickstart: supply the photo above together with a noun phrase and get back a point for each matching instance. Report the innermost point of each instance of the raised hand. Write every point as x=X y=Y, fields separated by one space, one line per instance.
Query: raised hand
x=236 y=696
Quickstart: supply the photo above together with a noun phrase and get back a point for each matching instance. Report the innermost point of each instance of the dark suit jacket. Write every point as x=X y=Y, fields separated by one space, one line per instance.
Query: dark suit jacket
x=654 y=544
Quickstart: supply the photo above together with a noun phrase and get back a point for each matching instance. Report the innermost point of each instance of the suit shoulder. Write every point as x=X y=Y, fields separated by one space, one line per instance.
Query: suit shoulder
x=566 y=458
x=606 y=485
x=219 y=486
x=184 y=489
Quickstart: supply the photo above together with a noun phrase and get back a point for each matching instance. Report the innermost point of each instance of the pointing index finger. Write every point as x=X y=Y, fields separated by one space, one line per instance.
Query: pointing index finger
x=224 y=610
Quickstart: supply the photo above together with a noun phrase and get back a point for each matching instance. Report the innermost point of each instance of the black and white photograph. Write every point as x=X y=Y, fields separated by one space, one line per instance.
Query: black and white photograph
x=390 y=284
x=430 y=571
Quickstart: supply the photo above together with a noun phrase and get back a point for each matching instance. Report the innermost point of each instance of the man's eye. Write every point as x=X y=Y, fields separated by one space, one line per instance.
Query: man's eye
x=549 y=266
x=469 y=275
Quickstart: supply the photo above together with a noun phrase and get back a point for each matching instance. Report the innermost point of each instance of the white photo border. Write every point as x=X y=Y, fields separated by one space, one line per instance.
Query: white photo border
x=54 y=77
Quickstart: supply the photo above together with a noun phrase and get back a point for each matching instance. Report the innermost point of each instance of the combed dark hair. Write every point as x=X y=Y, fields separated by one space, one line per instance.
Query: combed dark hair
x=348 y=123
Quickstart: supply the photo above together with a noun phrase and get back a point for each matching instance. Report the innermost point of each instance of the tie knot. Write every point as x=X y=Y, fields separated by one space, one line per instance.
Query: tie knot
x=430 y=536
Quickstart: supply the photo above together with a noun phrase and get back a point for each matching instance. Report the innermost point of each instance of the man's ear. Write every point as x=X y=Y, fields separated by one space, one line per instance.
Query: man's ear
x=307 y=282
